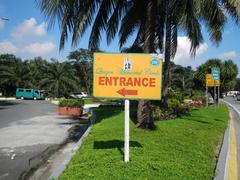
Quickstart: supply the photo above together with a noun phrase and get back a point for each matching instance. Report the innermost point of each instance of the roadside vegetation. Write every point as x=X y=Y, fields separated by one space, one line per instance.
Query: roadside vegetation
x=61 y=79
x=183 y=148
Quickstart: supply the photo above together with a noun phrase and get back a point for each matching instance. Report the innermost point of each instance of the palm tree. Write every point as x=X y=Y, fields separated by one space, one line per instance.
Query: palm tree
x=59 y=79
x=37 y=68
x=13 y=74
x=82 y=60
x=156 y=23
x=182 y=78
x=229 y=72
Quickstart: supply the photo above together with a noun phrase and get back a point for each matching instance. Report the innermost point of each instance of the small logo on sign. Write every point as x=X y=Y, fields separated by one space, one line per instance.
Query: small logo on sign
x=127 y=65
x=154 y=62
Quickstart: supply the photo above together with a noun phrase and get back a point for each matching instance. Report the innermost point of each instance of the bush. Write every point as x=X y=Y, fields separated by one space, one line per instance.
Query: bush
x=173 y=104
x=175 y=94
x=71 y=103
x=198 y=96
x=174 y=109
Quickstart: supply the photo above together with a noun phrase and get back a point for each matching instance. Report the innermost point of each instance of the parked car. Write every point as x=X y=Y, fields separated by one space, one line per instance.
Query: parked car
x=232 y=93
x=210 y=100
x=79 y=95
x=222 y=95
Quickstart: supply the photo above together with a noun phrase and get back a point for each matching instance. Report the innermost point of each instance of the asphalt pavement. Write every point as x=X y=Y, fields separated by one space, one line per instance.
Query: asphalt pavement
x=28 y=129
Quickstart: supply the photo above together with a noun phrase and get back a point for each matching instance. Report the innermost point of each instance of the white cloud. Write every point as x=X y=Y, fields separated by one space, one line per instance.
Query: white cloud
x=29 y=39
x=228 y=55
x=183 y=56
x=2 y=24
x=38 y=49
x=28 y=29
x=7 y=47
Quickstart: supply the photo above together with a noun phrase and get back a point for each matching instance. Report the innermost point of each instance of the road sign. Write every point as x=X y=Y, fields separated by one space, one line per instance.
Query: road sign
x=127 y=76
x=210 y=82
x=216 y=73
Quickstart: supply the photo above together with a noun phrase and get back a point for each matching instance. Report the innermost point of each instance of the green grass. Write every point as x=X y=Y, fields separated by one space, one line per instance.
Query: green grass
x=99 y=101
x=184 y=148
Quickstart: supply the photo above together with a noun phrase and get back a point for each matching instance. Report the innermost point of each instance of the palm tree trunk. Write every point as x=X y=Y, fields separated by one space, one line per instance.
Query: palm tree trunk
x=144 y=114
x=166 y=65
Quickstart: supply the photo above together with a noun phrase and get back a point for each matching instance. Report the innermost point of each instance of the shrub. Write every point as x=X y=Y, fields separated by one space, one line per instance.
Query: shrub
x=173 y=104
x=175 y=94
x=174 y=109
x=71 y=103
x=198 y=96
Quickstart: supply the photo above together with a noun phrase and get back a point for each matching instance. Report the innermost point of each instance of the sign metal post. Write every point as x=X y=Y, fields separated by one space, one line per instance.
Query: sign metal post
x=215 y=101
x=126 y=132
x=206 y=96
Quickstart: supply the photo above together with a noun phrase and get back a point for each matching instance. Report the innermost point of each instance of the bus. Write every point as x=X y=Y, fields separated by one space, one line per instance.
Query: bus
x=23 y=93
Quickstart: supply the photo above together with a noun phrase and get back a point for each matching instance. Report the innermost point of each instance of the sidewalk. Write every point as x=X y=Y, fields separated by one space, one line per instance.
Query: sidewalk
x=57 y=162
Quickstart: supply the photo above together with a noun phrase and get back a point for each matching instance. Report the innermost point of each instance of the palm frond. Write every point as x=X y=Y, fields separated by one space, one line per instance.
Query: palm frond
x=84 y=17
x=113 y=22
x=131 y=21
x=100 y=23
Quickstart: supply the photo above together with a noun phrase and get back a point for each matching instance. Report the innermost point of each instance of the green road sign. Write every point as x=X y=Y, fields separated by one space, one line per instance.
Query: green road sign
x=215 y=73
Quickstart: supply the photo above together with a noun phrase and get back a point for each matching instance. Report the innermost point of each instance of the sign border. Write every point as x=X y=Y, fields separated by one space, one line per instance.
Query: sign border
x=129 y=98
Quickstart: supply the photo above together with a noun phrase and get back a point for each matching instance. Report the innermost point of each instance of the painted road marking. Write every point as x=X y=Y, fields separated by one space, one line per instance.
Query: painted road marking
x=232 y=156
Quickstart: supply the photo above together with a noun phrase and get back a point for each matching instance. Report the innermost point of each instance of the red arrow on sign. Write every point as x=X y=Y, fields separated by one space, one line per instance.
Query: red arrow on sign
x=125 y=92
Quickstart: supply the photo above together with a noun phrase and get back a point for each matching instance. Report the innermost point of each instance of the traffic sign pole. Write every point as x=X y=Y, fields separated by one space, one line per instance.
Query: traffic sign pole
x=206 y=96
x=215 y=97
x=126 y=132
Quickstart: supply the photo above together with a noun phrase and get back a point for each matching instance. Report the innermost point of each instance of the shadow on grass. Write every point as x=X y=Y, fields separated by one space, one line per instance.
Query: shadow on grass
x=119 y=144
x=106 y=111
x=190 y=116
x=218 y=119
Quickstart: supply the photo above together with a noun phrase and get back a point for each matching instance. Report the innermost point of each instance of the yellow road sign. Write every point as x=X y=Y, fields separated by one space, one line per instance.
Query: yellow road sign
x=210 y=82
x=128 y=76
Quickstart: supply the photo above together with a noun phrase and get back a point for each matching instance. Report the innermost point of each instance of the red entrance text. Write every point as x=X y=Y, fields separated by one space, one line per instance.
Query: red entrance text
x=127 y=81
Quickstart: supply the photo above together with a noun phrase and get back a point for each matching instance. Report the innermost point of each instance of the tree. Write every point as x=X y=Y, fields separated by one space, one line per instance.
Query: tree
x=153 y=21
x=37 y=68
x=13 y=74
x=181 y=78
x=83 y=62
x=228 y=74
x=58 y=79
x=237 y=86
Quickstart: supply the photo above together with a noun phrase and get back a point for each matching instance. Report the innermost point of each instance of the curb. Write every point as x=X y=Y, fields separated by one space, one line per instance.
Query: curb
x=221 y=169
x=222 y=165
x=69 y=156
x=12 y=98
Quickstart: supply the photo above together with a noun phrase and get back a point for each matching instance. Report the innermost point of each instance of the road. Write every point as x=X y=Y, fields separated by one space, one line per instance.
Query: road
x=28 y=129
x=234 y=146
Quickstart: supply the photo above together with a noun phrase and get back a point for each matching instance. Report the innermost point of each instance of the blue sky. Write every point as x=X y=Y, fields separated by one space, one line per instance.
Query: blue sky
x=26 y=35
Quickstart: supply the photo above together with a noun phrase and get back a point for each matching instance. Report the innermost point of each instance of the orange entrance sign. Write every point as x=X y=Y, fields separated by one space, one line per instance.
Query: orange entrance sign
x=127 y=76
x=210 y=82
